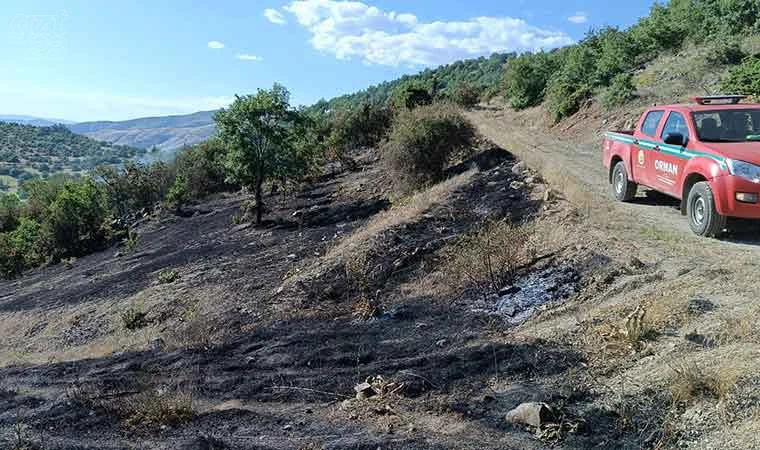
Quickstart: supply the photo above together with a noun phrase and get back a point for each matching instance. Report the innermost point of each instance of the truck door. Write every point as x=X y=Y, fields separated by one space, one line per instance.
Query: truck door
x=642 y=154
x=669 y=161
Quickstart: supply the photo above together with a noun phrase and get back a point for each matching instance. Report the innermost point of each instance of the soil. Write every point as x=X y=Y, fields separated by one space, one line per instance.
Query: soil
x=263 y=333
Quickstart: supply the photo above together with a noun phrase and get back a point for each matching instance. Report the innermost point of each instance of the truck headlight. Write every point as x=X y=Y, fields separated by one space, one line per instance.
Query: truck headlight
x=744 y=169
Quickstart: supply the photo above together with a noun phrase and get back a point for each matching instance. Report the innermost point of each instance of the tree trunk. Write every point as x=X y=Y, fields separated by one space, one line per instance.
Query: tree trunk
x=259 y=201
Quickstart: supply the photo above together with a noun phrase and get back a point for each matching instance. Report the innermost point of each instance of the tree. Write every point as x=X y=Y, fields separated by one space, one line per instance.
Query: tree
x=257 y=130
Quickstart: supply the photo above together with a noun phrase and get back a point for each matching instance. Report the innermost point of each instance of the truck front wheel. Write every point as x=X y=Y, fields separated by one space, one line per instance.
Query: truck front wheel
x=704 y=218
x=623 y=188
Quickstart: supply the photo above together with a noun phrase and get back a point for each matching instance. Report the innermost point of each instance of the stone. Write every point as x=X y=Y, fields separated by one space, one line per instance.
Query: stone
x=516 y=185
x=533 y=414
x=519 y=168
x=364 y=391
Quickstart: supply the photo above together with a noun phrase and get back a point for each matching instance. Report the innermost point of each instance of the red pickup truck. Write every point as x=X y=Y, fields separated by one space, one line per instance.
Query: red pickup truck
x=706 y=154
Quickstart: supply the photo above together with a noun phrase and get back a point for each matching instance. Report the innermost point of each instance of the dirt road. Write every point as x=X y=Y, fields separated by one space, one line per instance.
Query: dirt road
x=574 y=164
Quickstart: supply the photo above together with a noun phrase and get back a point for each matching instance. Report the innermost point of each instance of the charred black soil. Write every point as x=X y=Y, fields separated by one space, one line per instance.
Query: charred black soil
x=257 y=343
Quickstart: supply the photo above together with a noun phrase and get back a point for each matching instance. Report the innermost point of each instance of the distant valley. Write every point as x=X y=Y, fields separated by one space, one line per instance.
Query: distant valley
x=166 y=133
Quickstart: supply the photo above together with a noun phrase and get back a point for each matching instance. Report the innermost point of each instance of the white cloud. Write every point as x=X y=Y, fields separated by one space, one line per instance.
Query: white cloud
x=275 y=16
x=248 y=57
x=578 y=18
x=354 y=29
x=216 y=45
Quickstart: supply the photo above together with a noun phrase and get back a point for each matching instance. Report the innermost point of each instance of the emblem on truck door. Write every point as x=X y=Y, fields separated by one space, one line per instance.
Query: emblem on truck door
x=641 y=157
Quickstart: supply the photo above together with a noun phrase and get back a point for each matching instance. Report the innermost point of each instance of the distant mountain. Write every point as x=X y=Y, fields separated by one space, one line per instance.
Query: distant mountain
x=30 y=120
x=167 y=133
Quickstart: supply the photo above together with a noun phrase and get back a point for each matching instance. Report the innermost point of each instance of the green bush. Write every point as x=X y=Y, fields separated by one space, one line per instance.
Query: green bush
x=526 y=77
x=744 y=78
x=411 y=94
x=178 y=194
x=617 y=53
x=422 y=142
x=202 y=169
x=28 y=239
x=657 y=32
x=75 y=225
x=364 y=126
x=725 y=50
x=620 y=92
x=10 y=208
x=11 y=259
x=741 y=15
x=573 y=83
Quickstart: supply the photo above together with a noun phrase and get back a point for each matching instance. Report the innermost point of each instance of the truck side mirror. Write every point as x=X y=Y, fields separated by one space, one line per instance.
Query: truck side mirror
x=676 y=139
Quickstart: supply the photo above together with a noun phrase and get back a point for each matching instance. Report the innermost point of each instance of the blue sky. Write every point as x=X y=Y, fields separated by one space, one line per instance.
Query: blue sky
x=83 y=60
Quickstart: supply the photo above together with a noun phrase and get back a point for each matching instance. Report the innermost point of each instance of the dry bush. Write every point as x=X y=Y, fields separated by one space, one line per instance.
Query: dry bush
x=134 y=318
x=168 y=276
x=422 y=143
x=196 y=332
x=689 y=381
x=155 y=408
x=489 y=258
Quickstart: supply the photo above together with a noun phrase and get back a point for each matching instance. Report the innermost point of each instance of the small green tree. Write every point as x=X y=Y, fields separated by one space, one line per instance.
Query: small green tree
x=257 y=130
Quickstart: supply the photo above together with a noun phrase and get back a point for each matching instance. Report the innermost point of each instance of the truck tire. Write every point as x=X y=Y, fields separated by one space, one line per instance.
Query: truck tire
x=623 y=188
x=704 y=218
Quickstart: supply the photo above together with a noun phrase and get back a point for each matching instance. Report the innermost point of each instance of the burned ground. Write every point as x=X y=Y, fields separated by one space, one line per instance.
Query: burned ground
x=257 y=332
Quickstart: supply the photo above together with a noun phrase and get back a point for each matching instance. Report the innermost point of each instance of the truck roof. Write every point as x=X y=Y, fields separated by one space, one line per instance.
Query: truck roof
x=693 y=107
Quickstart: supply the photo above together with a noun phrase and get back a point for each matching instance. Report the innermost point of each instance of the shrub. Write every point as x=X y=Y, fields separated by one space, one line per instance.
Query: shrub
x=488 y=259
x=744 y=78
x=466 y=95
x=10 y=208
x=620 y=92
x=363 y=126
x=27 y=239
x=168 y=276
x=132 y=240
x=617 y=53
x=11 y=259
x=573 y=83
x=422 y=142
x=410 y=94
x=134 y=318
x=725 y=50
x=155 y=408
x=525 y=78
x=75 y=225
x=658 y=31
x=202 y=169
x=178 y=195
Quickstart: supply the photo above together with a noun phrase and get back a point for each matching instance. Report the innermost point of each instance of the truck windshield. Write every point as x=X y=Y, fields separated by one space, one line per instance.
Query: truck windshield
x=738 y=125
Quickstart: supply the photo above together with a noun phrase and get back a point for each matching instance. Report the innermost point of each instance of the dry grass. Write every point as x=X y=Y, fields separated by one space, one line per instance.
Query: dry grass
x=489 y=258
x=733 y=329
x=690 y=381
x=155 y=408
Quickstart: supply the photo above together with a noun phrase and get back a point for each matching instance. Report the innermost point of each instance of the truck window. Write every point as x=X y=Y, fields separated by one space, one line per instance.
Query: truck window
x=649 y=127
x=675 y=124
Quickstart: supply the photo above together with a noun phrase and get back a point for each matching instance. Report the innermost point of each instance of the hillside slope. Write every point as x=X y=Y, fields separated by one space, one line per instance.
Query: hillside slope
x=27 y=151
x=165 y=133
